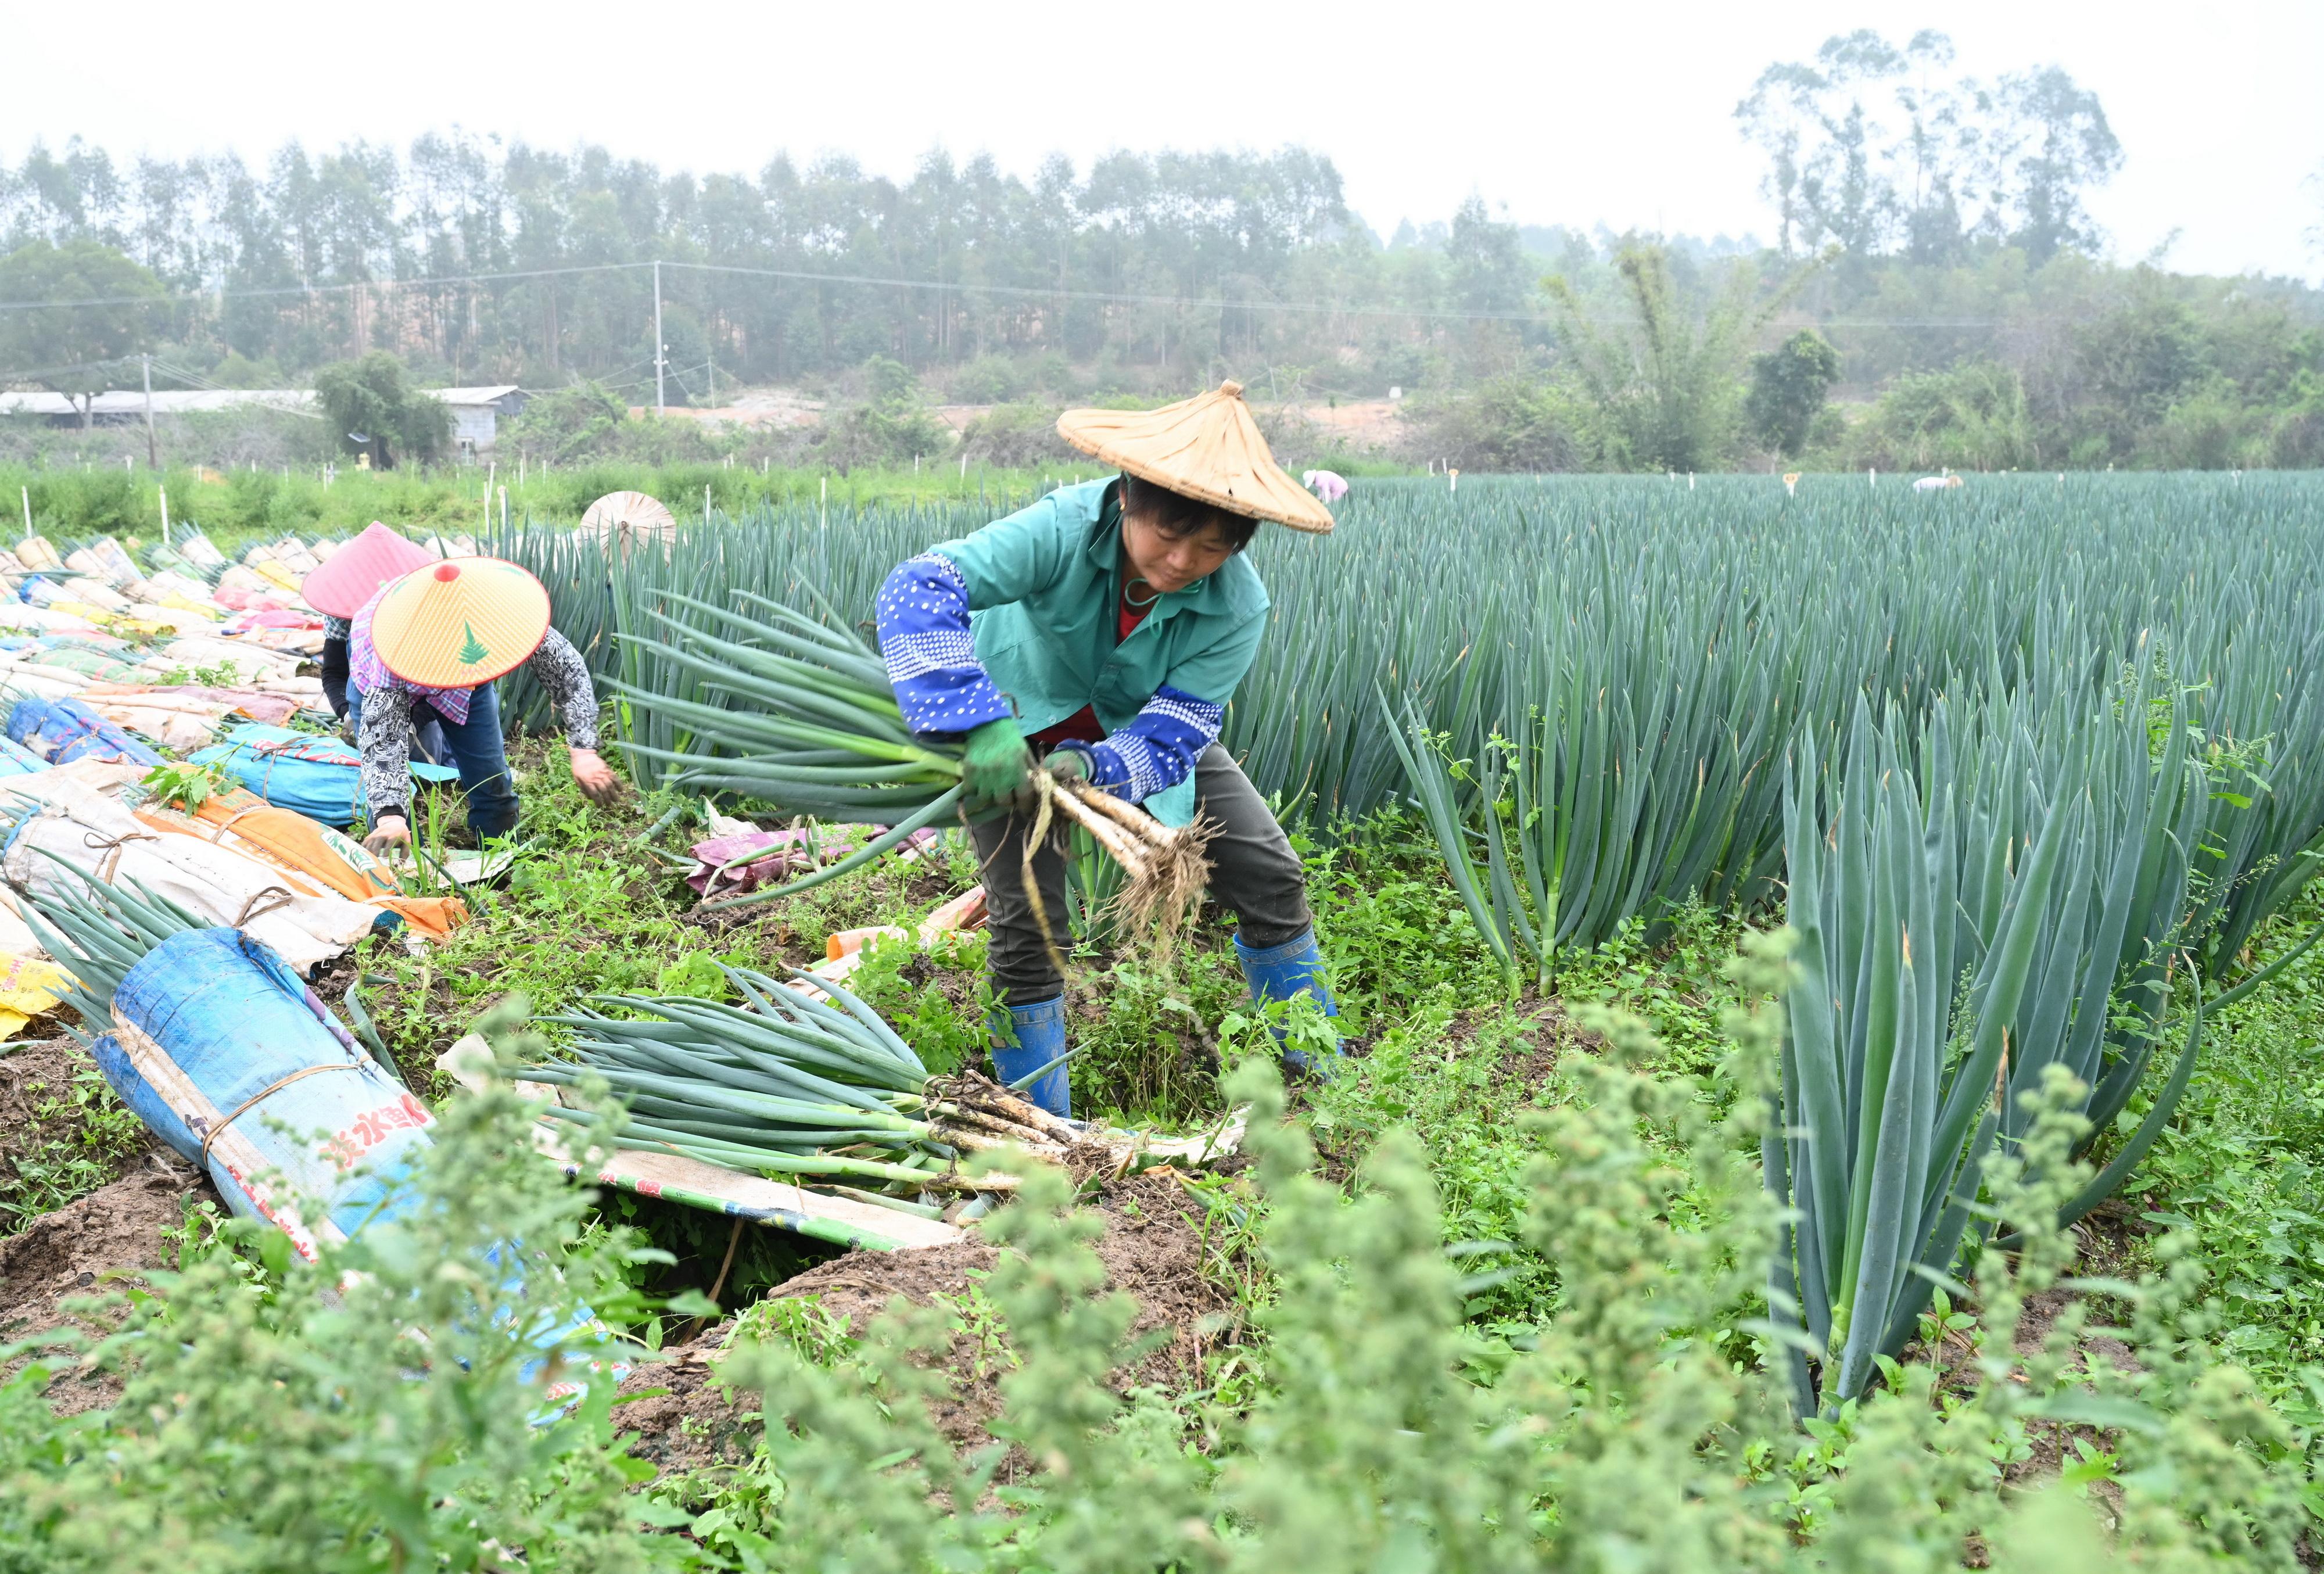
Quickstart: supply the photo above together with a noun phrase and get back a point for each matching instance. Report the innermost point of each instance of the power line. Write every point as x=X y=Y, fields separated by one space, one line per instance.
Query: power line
x=35 y=372
x=261 y=292
x=1013 y=291
x=1318 y=308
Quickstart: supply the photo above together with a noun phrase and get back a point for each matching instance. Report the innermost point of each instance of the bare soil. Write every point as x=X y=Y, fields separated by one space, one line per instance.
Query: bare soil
x=84 y=1250
x=1152 y=1248
x=1553 y=1036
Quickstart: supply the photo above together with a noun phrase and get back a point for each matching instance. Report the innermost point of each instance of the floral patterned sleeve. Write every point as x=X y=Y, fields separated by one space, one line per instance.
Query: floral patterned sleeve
x=565 y=676
x=384 y=740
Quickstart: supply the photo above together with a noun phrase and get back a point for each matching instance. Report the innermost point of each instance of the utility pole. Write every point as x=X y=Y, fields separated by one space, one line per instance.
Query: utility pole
x=661 y=404
x=152 y=447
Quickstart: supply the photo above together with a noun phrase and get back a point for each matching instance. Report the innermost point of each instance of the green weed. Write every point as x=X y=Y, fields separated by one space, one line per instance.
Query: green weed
x=85 y=1134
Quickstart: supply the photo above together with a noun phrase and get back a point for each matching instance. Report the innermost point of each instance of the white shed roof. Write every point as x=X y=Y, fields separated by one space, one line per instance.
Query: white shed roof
x=475 y=395
x=179 y=400
x=166 y=401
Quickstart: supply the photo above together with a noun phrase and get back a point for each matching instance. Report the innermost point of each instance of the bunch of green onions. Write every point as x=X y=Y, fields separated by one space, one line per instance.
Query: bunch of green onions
x=96 y=933
x=818 y=732
x=819 y=1092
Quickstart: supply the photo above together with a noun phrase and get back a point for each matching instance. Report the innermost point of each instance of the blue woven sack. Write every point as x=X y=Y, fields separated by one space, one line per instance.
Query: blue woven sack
x=318 y=777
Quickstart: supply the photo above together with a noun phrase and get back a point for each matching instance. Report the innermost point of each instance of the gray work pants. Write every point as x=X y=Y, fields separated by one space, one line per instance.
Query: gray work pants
x=1254 y=875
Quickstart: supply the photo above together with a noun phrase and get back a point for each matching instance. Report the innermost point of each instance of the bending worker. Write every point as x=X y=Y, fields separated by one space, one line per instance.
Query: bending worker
x=343 y=581
x=1098 y=634
x=426 y=648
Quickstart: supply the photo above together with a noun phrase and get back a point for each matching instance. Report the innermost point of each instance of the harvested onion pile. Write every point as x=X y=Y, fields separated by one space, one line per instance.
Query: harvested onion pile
x=822 y=1092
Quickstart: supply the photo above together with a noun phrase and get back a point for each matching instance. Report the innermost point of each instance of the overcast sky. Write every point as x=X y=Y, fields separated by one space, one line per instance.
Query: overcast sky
x=1620 y=112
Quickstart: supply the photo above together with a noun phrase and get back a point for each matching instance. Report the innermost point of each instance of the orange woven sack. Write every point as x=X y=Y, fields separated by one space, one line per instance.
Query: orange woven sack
x=299 y=846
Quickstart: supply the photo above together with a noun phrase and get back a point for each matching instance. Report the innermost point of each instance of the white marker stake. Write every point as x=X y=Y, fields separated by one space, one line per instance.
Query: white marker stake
x=28 y=509
x=165 y=514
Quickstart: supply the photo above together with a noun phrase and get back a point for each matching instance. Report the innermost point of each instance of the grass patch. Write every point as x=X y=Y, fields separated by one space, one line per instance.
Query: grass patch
x=66 y=1135
x=2241 y=1167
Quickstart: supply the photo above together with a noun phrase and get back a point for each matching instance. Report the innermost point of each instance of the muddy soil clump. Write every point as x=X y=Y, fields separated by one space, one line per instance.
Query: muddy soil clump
x=83 y=1250
x=31 y=1076
x=1153 y=1247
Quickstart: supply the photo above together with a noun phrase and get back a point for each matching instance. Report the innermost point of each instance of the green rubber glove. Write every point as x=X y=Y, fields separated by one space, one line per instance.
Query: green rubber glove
x=996 y=768
x=1068 y=765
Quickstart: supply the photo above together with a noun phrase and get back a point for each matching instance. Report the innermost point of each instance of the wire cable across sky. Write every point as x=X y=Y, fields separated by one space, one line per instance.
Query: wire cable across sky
x=1012 y=292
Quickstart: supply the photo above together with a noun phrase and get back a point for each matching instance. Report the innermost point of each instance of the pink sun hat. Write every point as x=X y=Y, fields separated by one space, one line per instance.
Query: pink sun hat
x=352 y=574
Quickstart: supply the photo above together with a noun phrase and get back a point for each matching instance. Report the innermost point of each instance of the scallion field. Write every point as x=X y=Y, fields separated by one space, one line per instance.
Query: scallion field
x=1832 y=1082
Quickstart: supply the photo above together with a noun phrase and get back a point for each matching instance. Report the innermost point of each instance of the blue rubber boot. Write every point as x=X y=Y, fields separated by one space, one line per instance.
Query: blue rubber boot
x=1039 y=1031
x=1283 y=973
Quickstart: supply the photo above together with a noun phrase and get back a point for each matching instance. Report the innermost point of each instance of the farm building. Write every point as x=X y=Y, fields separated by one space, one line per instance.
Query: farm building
x=124 y=406
x=476 y=414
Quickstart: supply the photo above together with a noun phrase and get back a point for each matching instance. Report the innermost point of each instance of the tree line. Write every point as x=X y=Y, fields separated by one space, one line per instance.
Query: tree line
x=1933 y=240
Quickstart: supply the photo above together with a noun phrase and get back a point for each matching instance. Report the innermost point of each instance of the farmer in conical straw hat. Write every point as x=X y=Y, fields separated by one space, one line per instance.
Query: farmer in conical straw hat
x=1098 y=635
x=346 y=579
x=426 y=647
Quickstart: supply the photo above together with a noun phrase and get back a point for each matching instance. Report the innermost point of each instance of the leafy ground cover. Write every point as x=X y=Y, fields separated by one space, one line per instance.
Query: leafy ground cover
x=68 y=1135
x=1436 y=1052
x=1523 y=1230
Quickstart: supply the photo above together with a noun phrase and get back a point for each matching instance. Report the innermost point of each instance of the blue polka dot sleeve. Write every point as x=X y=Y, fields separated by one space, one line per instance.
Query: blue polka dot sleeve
x=923 y=622
x=1159 y=747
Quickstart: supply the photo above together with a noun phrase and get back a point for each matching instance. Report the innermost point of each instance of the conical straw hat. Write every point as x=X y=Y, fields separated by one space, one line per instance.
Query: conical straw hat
x=1207 y=447
x=624 y=515
x=349 y=576
x=458 y=624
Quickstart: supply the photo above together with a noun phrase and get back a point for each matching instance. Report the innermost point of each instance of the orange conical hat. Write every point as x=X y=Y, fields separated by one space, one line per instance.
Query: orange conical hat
x=1207 y=447
x=349 y=576
x=459 y=623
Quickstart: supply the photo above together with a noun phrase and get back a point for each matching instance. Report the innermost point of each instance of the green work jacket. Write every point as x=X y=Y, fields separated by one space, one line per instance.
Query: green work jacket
x=1043 y=589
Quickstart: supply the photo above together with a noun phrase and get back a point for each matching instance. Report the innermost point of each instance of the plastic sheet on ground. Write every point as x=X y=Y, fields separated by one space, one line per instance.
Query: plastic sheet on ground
x=30 y=983
x=788 y=852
